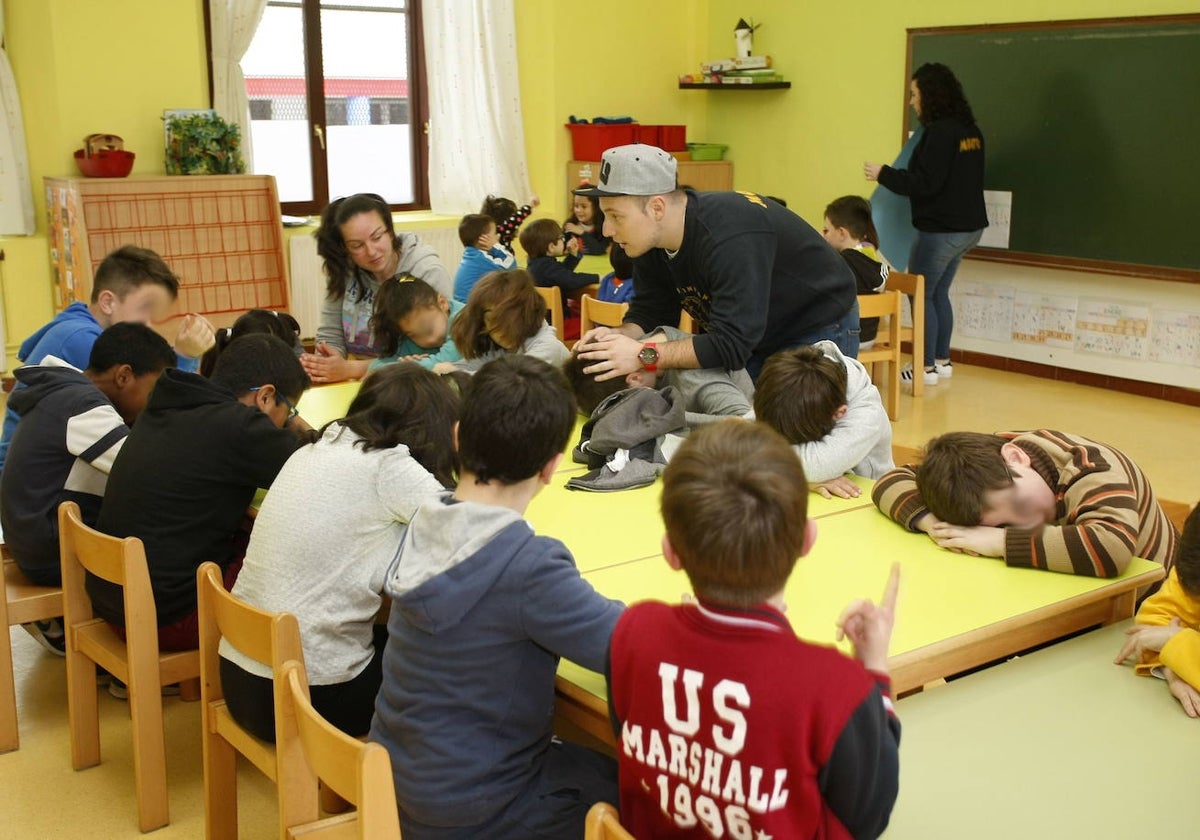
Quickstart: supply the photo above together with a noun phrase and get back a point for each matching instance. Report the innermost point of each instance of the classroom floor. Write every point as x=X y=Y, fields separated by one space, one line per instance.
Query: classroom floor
x=45 y=798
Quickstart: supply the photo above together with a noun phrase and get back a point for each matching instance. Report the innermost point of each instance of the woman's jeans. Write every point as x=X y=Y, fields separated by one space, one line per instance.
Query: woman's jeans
x=937 y=255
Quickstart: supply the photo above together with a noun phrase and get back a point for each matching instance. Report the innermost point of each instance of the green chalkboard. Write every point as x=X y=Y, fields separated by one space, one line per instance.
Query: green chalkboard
x=1094 y=126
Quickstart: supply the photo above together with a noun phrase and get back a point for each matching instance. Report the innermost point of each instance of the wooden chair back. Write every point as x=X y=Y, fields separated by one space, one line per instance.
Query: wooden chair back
x=360 y=773
x=599 y=313
x=135 y=661
x=603 y=823
x=23 y=602
x=554 y=304
x=887 y=343
x=686 y=323
x=269 y=638
x=913 y=285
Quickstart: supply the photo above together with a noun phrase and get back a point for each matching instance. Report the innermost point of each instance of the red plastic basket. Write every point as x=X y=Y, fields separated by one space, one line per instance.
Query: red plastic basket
x=672 y=138
x=591 y=141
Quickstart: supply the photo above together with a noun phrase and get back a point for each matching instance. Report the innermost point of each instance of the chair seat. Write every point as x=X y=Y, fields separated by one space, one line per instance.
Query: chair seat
x=27 y=601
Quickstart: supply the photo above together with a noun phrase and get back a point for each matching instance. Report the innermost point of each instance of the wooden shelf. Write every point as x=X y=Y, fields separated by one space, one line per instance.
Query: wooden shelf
x=763 y=86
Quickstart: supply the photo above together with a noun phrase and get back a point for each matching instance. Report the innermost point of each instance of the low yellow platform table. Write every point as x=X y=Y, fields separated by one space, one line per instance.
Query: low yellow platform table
x=955 y=612
x=323 y=403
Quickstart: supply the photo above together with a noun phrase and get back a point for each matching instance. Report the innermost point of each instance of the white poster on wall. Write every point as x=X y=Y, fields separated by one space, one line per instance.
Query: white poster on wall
x=983 y=311
x=1113 y=328
x=1175 y=337
x=1048 y=320
x=999 y=216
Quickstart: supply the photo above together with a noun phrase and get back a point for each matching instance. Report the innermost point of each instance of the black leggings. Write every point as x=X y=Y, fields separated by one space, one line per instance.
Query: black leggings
x=348 y=705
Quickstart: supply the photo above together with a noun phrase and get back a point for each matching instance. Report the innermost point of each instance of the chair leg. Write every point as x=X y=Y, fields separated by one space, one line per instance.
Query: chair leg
x=220 y=788
x=83 y=714
x=149 y=746
x=189 y=690
x=10 y=736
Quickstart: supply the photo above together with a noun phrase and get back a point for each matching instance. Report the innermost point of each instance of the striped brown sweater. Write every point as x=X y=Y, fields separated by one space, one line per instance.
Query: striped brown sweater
x=1106 y=512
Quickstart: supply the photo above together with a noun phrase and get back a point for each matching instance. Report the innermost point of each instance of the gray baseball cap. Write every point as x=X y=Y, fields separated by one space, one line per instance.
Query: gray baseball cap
x=636 y=169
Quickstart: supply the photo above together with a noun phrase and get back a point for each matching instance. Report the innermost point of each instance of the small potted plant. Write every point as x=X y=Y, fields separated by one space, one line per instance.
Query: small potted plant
x=201 y=143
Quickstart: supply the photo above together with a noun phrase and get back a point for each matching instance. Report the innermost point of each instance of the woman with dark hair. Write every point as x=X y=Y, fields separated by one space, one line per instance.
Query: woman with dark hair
x=361 y=249
x=323 y=555
x=944 y=182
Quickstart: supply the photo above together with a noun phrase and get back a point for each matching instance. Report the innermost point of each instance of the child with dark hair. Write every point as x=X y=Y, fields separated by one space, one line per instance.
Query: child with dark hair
x=617 y=285
x=507 y=216
x=504 y=314
x=412 y=323
x=73 y=424
x=586 y=225
x=1165 y=640
x=190 y=468
x=131 y=284
x=814 y=732
x=1041 y=499
x=850 y=229
x=325 y=561
x=826 y=406
x=482 y=609
x=483 y=253
x=266 y=321
x=543 y=243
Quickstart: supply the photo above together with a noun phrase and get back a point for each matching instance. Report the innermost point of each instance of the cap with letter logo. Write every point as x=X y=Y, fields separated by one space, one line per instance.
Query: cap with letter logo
x=636 y=169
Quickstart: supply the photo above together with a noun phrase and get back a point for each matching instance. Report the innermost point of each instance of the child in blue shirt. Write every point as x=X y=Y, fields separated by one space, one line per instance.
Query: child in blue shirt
x=412 y=323
x=617 y=285
x=483 y=254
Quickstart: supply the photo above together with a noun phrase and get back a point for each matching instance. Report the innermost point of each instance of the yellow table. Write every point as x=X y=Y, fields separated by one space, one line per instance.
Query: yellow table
x=594 y=264
x=323 y=403
x=1060 y=743
x=955 y=612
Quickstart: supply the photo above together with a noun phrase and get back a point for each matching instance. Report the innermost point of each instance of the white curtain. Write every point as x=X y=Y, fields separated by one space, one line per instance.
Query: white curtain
x=16 y=195
x=233 y=24
x=476 y=137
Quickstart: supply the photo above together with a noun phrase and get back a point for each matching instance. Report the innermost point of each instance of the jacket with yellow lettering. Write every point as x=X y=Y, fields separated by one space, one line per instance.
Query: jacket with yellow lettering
x=1182 y=653
x=944 y=178
x=1106 y=511
x=728 y=725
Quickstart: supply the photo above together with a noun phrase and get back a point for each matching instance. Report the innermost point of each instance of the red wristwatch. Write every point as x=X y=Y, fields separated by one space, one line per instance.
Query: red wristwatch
x=648 y=356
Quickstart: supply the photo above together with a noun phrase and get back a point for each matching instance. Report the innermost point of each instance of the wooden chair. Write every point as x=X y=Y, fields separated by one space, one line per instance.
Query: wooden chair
x=136 y=662
x=554 y=303
x=23 y=602
x=270 y=638
x=913 y=285
x=603 y=823
x=359 y=772
x=686 y=323
x=887 y=343
x=599 y=313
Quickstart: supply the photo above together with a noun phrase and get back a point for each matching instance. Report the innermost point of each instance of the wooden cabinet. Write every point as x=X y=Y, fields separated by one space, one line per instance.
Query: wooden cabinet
x=221 y=235
x=701 y=175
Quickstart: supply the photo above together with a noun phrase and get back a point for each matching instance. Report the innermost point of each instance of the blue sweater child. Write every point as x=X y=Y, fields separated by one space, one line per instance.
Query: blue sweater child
x=483 y=253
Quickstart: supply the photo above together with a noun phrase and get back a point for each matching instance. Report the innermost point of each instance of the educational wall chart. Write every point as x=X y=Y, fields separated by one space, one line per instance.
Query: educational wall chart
x=1175 y=337
x=1048 y=320
x=1113 y=328
x=999 y=215
x=983 y=311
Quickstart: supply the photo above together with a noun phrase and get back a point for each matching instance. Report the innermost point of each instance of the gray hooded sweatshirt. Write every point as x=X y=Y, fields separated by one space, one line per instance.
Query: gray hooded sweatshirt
x=482 y=609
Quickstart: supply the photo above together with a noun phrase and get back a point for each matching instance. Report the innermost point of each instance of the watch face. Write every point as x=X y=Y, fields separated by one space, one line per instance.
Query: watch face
x=648 y=355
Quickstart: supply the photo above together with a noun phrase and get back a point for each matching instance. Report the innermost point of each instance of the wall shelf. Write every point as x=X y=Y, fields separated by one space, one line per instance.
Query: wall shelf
x=763 y=86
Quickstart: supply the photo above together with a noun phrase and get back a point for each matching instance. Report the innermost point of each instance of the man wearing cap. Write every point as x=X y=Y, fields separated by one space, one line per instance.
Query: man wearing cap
x=752 y=274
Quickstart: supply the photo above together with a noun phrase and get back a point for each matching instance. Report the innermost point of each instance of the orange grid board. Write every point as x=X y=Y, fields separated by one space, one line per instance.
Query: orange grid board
x=221 y=235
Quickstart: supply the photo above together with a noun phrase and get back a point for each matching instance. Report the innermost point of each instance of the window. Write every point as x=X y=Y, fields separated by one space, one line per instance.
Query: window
x=355 y=121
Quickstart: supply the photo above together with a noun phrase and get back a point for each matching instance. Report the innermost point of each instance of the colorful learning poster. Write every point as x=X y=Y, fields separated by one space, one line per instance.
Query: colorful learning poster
x=1175 y=337
x=1112 y=328
x=1048 y=320
x=983 y=311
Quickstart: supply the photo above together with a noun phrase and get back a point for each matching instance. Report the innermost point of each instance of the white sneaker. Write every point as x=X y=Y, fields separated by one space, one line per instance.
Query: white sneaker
x=906 y=375
x=944 y=370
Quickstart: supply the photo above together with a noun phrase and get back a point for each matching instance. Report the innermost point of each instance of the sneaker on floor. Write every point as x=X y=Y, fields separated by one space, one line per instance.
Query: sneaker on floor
x=49 y=634
x=945 y=371
x=931 y=375
x=119 y=690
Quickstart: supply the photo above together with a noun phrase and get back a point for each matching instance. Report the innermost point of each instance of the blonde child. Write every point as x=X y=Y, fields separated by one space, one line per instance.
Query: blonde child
x=850 y=230
x=411 y=322
x=504 y=314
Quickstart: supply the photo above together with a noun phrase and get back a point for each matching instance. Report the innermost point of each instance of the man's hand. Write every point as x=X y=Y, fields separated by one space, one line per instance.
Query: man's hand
x=869 y=627
x=842 y=487
x=871 y=171
x=1187 y=696
x=1141 y=638
x=978 y=540
x=196 y=336
x=611 y=353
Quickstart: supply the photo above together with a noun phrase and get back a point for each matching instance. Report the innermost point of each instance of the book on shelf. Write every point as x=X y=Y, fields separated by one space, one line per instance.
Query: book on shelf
x=721 y=65
x=729 y=79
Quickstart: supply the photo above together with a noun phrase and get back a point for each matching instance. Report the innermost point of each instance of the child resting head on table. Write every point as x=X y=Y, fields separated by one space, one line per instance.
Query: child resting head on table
x=1041 y=499
x=1165 y=640
x=826 y=406
x=411 y=322
x=794 y=739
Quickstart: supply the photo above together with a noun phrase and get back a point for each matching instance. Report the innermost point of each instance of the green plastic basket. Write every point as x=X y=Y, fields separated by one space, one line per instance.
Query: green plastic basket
x=707 y=151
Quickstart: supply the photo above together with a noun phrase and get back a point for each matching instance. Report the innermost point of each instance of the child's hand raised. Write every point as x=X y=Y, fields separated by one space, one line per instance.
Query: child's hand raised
x=534 y=201
x=573 y=246
x=196 y=336
x=869 y=627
